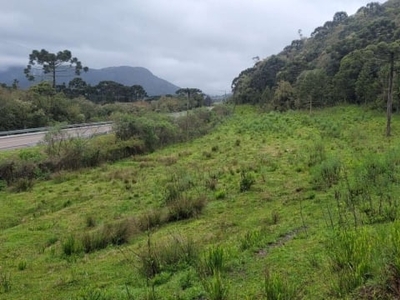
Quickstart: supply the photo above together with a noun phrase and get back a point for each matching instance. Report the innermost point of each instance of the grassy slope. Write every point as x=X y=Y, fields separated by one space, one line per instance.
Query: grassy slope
x=274 y=148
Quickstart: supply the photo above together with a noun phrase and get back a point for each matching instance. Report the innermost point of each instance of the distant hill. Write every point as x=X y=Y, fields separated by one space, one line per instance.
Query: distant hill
x=344 y=60
x=124 y=74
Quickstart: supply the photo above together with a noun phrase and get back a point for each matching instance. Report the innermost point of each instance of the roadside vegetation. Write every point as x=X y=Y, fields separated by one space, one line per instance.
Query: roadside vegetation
x=266 y=206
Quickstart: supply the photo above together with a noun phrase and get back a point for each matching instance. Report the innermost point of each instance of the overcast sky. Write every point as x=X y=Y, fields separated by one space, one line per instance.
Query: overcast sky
x=191 y=43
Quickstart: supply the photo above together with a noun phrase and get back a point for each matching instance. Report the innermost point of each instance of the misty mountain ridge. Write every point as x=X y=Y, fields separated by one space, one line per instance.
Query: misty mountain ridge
x=125 y=75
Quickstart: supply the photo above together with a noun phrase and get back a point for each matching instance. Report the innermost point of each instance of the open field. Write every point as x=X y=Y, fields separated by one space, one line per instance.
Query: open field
x=267 y=206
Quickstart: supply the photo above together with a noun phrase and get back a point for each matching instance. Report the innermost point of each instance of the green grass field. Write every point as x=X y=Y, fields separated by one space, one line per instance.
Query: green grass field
x=267 y=206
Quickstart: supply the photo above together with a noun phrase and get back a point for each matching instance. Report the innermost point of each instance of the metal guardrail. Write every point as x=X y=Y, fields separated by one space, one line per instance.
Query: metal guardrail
x=42 y=129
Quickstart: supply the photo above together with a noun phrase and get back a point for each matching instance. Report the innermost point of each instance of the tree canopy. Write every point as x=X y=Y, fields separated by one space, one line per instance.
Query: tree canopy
x=54 y=64
x=352 y=59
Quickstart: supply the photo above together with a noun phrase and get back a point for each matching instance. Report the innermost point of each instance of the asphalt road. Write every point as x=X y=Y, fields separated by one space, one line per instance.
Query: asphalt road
x=31 y=139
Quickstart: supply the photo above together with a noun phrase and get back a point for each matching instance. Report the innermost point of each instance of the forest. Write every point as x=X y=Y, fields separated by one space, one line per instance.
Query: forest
x=350 y=59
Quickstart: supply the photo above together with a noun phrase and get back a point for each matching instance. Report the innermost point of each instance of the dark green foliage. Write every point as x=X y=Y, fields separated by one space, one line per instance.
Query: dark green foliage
x=340 y=62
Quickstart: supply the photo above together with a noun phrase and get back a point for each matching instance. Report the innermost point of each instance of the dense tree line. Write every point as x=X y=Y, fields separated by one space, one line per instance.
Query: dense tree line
x=104 y=92
x=351 y=59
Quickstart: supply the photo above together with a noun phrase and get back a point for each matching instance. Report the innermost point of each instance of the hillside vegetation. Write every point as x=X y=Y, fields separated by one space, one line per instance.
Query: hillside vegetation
x=267 y=206
x=346 y=60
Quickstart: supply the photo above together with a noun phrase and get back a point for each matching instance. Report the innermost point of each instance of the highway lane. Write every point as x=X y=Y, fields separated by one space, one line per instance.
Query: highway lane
x=31 y=139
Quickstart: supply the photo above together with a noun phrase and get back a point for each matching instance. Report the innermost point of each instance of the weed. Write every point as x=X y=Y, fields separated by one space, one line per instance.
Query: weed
x=92 y=294
x=116 y=234
x=90 y=221
x=185 y=208
x=351 y=258
x=150 y=219
x=22 y=265
x=327 y=173
x=246 y=181
x=22 y=185
x=251 y=239
x=166 y=255
x=211 y=183
x=220 y=194
x=316 y=154
x=215 y=148
x=71 y=246
x=3 y=185
x=5 y=282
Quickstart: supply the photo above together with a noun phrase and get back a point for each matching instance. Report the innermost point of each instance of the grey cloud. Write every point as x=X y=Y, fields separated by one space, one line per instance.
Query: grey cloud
x=197 y=43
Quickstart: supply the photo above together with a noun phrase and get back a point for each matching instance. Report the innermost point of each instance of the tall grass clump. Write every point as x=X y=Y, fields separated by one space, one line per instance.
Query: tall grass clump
x=216 y=288
x=246 y=181
x=316 y=154
x=168 y=254
x=5 y=282
x=392 y=261
x=351 y=255
x=71 y=246
x=179 y=203
x=212 y=262
x=277 y=288
x=327 y=173
x=369 y=190
x=115 y=234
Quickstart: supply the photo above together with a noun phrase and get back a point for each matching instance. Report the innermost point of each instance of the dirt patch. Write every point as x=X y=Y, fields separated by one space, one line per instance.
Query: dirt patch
x=280 y=241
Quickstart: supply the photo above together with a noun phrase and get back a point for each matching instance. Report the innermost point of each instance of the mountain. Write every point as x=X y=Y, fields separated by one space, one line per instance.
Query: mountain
x=124 y=74
x=347 y=59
